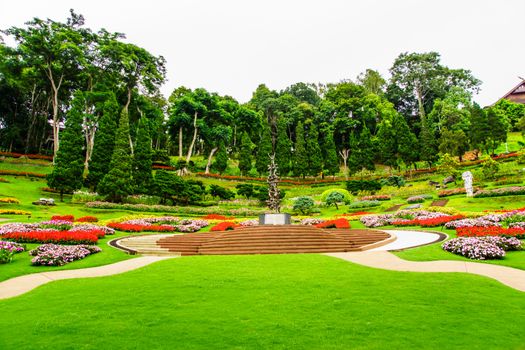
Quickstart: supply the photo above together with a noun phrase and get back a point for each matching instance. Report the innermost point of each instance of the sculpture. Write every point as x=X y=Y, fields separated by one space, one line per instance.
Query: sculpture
x=273 y=192
x=467 y=179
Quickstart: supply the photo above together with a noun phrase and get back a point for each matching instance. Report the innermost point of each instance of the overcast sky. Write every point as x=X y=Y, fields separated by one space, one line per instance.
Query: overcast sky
x=232 y=46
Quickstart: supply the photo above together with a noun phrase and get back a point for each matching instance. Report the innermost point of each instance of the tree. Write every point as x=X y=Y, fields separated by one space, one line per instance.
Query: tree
x=479 y=130
x=246 y=190
x=427 y=143
x=366 y=150
x=283 y=149
x=142 y=159
x=448 y=166
x=69 y=163
x=221 y=160
x=499 y=126
x=264 y=150
x=315 y=158
x=117 y=183
x=354 y=159
x=453 y=142
x=300 y=157
x=166 y=185
x=304 y=205
x=104 y=143
x=245 y=156
x=490 y=168
x=372 y=81
x=331 y=163
x=513 y=111
x=335 y=198
x=387 y=146
x=221 y=192
x=405 y=139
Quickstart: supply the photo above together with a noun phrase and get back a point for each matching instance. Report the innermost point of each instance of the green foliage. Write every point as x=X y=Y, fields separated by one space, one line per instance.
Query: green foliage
x=387 y=146
x=300 y=157
x=104 y=143
x=366 y=150
x=117 y=183
x=264 y=150
x=394 y=180
x=283 y=150
x=453 y=142
x=334 y=198
x=69 y=162
x=246 y=190
x=490 y=168
x=428 y=144
x=448 y=165
x=405 y=139
x=331 y=163
x=221 y=159
x=513 y=111
x=498 y=126
x=304 y=205
x=356 y=186
x=261 y=193
x=221 y=192
x=364 y=204
x=245 y=156
x=142 y=159
x=315 y=159
x=347 y=198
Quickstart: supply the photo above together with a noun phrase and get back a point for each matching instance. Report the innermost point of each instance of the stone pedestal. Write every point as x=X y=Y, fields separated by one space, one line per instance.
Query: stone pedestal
x=275 y=219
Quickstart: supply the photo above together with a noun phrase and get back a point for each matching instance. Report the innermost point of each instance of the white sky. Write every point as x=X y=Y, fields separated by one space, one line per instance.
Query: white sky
x=231 y=46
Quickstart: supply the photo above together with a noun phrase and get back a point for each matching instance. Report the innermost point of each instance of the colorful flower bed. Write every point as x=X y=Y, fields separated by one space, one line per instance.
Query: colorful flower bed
x=419 y=198
x=311 y=221
x=140 y=228
x=87 y=219
x=160 y=224
x=53 y=236
x=427 y=222
x=14 y=212
x=364 y=204
x=8 y=250
x=477 y=222
x=57 y=255
x=216 y=217
x=224 y=226
x=69 y=218
x=451 y=192
x=482 y=248
x=21 y=173
x=246 y=223
x=9 y=200
x=337 y=223
x=30 y=156
x=505 y=191
x=490 y=231
x=377 y=197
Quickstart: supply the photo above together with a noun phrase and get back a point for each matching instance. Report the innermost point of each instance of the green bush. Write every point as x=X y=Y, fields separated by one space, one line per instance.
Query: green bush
x=304 y=205
x=364 y=204
x=221 y=192
x=356 y=186
x=335 y=198
x=394 y=180
x=347 y=198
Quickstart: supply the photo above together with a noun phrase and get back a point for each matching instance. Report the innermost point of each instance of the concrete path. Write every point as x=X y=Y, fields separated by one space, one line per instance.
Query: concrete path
x=509 y=276
x=408 y=239
x=23 y=284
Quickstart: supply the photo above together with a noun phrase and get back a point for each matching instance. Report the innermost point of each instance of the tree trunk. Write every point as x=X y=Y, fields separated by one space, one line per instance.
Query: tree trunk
x=420 y=105
x=180 y=142
x=190 y=150
x=207 y=171
x=61 y=195
x=55 y=89
x=344 y=153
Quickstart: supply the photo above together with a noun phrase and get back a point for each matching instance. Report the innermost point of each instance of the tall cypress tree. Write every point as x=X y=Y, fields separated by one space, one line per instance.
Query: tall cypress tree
x=300 y=159
x=427 y=143
x=69 y=161
x=406 y=140
x=142 y=158
x=315 y=159
x=245 y=156
x=283 y=150
x=104 y=143
x=331 y=162
x=366 y=149
x=354 y=159
x=221 y=159
x=479 y=129
x=264 y=150
x=117 y=183
x=387 y=145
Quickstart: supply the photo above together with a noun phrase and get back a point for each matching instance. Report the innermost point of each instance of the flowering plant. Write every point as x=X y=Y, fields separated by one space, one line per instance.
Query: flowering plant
x=53 y=236
x=14 y=212
x=377 y=197
x=57 y=255
x=337 y=223
x=246 y=223
x=69 y=218
x=9 y=200
x=482 y=248
x=311 y=221
x=419 y=198
x=8 y=250
x=490 y=231
x=87 y=219
x=224 y=226
x=216 y=217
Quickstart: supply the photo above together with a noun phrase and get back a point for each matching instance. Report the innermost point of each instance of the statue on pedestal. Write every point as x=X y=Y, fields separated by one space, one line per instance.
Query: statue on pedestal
x=467 y=179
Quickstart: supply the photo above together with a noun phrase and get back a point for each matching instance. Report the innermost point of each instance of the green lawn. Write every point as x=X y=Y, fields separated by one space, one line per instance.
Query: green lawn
x=263 y=302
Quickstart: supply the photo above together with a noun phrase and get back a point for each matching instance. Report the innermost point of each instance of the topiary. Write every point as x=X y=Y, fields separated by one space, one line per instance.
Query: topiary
x=303 y=204
x=347 y=197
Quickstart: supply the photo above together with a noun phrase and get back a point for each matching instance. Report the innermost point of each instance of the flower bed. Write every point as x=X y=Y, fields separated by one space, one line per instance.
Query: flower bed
x=140 y=228
x=311 y=221
x=14 y=212
x=474 y=231
x=377 y=197
x=419 y=198
x=505 y=191
x=22 y=173
x=224 y=226
x=87 y=219
x=8 y=250
x=364 y=204
x=69 y=218
x=53 y=236
x=30 y=156
x=451 y=192
x=478 y=222
x=428 y=222
x=57 y=255
x=216 y=217
x=482 y=248
x=337 y=223
x=9 y=200
x=252 y=222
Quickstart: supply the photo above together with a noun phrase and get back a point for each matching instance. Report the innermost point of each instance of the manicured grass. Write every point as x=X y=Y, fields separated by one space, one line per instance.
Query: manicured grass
x=266 y=302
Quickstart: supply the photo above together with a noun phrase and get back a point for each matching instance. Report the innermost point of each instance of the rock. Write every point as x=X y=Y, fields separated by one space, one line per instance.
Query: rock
x=414 y=206
x=45 y=201
x=433 y=183
x=449 y=179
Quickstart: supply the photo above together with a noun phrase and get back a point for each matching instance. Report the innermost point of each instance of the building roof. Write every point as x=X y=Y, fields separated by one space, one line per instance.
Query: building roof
x=517 y=93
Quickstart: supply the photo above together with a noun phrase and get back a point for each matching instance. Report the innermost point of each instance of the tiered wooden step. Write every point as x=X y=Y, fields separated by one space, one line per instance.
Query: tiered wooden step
x=269 y=239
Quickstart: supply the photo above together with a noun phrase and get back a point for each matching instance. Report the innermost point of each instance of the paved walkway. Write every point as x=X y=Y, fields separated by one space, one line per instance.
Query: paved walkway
x=408 y=239
x=509 y=276
x=23 y=284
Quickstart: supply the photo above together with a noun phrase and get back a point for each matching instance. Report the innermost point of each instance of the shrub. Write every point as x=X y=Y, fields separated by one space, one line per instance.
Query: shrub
x=419 y=199
x=303 y=204
x=84 y=197
x=505 y=191
x=56 y=255
x=337 y=223
x=364 y=204
x=221 y=192
x=334 y=198
x=355 y=186
x=474 y=248
x=394 y=180
x=9 y=200
x=347 y=198
x=490 y=168
x=224 y=226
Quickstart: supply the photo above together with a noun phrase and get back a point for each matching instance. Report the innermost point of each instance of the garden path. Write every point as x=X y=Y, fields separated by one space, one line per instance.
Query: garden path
x=23 y=284
x=509 y=276
x=409 y=239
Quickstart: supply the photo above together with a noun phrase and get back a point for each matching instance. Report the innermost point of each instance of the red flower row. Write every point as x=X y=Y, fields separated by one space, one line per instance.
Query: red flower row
x=57 y=237
x=337 y=223
x=70 y=218
x=477 y=231
x=21 y=173
x=224 y=226
x=140 y=228
x=216 y=217
x=87 y=219
x=30 y=156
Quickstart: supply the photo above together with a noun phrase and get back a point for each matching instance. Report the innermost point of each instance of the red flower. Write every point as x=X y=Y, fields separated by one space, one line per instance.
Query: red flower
x=478 y=231
x=70 y=218
x=216 y=217
x=223 y=226
x=58 y=237
x=87 y=219
x=337 y=223
x=140 y=228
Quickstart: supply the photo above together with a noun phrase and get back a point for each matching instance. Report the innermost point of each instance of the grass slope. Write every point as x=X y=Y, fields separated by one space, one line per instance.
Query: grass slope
x=278 y=302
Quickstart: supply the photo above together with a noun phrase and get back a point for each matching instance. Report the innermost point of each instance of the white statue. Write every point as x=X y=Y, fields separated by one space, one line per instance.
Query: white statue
x=467 y=179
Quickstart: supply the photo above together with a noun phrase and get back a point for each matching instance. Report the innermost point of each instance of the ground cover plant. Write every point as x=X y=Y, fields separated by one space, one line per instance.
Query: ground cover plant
x=339 y=305
x=58 y=255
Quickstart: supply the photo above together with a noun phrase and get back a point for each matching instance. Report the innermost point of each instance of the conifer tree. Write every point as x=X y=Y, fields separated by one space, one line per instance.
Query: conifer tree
x=283 y=150
x=315 y=158
x=245 y=156
x=354 y=159
x=67 y=171
x=387 y=146
x=427 y=143
x=479 y=129
x=104 y=143
x=221 y=159
x=300 y=167
x=264 y=150
x=142 y=158
x=331 y=163
x=366 y=149
x=406 y=140
x=117 y=183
